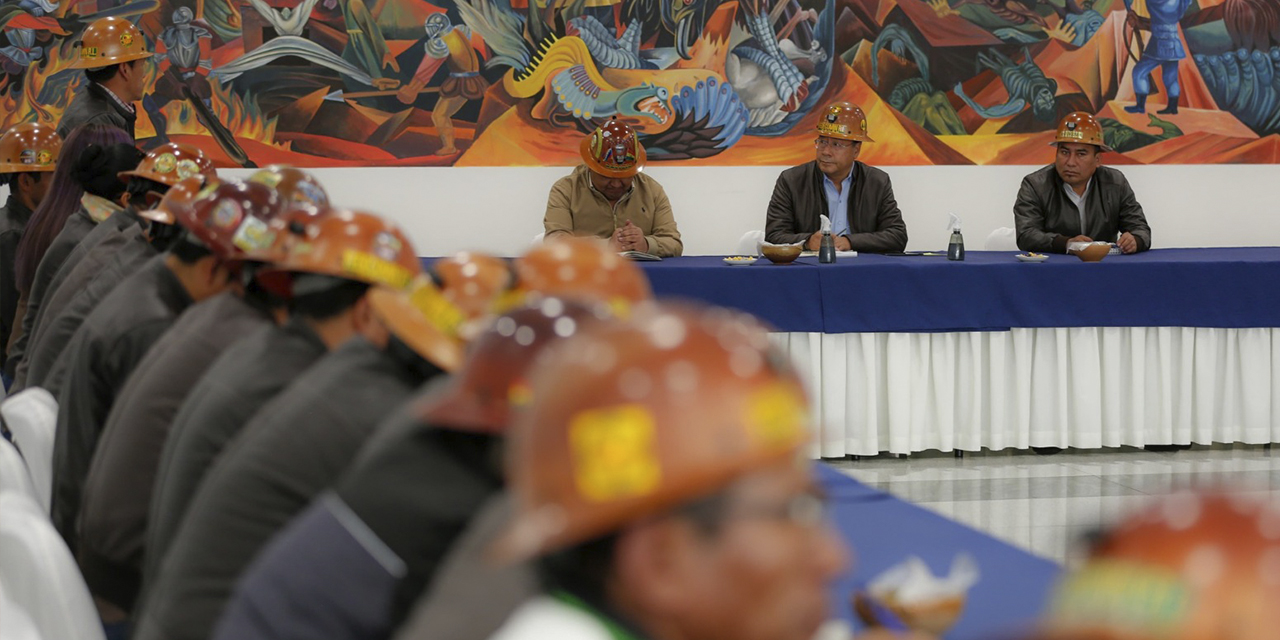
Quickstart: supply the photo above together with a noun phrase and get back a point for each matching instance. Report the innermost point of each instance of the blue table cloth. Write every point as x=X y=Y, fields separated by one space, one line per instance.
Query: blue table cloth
x=989 y=291
x=883 y=531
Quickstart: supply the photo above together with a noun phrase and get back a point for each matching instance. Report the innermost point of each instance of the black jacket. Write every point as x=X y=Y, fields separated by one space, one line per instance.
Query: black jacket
x=44 y=364
x=93 y=105
x=116 y=239
x=415 y=487
x=799 y=199
x=294 y=449
x=243 y=379
x=13 y=221
x=102 y=354
x=77 y=226
x=1046 y=218
x=117 y=495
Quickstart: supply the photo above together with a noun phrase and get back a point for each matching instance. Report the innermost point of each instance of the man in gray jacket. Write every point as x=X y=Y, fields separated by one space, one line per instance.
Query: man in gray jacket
x=117 y=495
x=295 y=448
x=329 y=307
x=1076 y=199
x=112 y=52
x=856 y=197
x=118 y=334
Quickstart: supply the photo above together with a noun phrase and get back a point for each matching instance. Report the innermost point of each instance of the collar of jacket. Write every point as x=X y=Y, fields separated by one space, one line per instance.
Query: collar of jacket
x=1099 y=184
x=17 y=211
x=817 y=176
x=123 y=107
x=617 y=629
x=97 y=207
x=170 y=288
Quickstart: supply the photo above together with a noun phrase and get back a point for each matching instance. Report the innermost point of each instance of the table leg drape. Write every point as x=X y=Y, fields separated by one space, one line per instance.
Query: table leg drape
x=1084 y=387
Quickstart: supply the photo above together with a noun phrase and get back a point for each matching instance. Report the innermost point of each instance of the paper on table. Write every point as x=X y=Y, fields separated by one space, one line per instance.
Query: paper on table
x=839 y=254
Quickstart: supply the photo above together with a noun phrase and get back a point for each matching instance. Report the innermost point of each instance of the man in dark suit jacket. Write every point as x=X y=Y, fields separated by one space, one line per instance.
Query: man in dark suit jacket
x=857 y=198
x=1076 y=199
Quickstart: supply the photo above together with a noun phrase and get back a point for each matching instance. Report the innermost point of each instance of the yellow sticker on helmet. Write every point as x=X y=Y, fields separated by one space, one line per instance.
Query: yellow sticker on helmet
x=437 y=309
x=776 y=415
x=370 y=268
x=614 y=455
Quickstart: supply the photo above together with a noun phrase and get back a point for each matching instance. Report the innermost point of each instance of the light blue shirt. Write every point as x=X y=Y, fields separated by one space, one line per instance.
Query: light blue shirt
x=838 y=204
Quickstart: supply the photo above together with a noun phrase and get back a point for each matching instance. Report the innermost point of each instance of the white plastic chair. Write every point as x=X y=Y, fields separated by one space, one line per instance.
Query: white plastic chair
x=32 y=416
x=39 y=574
x=749 y=245
x=537 y=240
x=15 y=624
x=13 y=473
x=1002 y=239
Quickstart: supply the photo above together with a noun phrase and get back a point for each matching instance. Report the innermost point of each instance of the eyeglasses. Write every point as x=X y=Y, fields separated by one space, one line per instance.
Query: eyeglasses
x=805 y=509
x=834 y=144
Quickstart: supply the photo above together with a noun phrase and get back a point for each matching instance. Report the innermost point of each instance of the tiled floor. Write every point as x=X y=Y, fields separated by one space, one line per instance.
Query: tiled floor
x=1046 y=504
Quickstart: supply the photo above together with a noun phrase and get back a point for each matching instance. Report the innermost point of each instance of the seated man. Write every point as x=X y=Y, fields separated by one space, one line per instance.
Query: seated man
x=1076 y=199
x=609 y=198
x=857 y=198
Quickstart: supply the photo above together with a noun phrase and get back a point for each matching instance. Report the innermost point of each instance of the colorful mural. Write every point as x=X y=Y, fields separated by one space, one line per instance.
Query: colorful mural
x=705 y=82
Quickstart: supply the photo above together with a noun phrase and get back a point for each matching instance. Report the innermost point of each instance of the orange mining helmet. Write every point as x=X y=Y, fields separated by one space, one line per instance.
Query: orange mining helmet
x=28 y=147
x=110 y=41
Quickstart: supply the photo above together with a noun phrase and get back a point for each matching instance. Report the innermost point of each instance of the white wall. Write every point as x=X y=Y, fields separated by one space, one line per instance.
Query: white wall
x=499 y=209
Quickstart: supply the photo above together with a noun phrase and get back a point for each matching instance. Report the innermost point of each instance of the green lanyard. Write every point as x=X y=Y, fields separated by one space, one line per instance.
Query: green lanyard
x=616 y=631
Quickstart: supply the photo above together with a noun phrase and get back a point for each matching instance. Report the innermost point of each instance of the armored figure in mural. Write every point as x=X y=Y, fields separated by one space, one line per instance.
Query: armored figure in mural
x=1164 y=50
x=184 y=66
x=451 y=45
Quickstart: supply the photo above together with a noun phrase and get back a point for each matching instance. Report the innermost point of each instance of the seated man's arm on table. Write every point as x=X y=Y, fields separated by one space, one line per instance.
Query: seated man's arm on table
x=664 y=240
x=781 y=225
x=558 y=220
x=891 y=232
x=1029 y=218
x=1132 y=219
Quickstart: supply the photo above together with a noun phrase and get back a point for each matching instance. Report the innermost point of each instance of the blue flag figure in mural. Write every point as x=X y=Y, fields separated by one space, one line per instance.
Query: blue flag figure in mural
x=1163 y=50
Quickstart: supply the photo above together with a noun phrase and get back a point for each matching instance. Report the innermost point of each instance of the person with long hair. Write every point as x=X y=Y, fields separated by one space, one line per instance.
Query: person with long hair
x=43 y=247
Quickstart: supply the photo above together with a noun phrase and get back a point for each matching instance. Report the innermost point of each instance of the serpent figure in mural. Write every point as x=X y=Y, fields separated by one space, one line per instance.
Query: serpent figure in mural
x=1025 y=83
x=694 y=114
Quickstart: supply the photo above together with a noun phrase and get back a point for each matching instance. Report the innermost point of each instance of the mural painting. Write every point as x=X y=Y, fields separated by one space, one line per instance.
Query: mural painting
x=706 y=82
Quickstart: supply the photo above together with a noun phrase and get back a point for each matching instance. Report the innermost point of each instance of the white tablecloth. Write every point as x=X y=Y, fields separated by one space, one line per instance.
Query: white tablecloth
x=1078 y=387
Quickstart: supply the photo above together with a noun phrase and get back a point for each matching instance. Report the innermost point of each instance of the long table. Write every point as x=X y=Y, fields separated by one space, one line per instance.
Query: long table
x=1222 y=288
x=910 y=353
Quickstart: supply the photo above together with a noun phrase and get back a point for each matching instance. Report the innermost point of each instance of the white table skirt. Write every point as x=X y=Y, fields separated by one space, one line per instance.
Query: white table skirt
x=1078 y=387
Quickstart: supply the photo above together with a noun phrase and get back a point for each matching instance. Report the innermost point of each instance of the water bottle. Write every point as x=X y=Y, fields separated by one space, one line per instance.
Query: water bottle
x=955 y=249
x=827 y=251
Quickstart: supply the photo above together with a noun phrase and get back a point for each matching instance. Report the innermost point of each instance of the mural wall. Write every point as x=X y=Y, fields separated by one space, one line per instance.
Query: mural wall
x=706 y=82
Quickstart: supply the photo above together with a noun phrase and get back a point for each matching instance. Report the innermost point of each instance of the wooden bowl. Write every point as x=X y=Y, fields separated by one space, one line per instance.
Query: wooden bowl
x=1093 y=253
x=935 y=618
x=781 y=254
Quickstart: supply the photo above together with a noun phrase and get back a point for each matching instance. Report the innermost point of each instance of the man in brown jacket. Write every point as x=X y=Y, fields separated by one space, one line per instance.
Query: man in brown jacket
x=856 y=197
x=1076 y=199
x=609 y=198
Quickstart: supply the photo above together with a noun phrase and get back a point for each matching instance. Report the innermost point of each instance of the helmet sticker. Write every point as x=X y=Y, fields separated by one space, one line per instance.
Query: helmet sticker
x=614 y=453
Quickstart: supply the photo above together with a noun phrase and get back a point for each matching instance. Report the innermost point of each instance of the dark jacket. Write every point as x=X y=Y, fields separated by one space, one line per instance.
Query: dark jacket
x=93 y=105
x=117 y=495
x=415 y=491
x=45 y=364
x=799 y=199
x=102 y=354
x=118 y=238
x=1046 y=218
x=294 y=449
x=243 y=379
x=77 y=226
x=471 y=597
x=13 y=221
